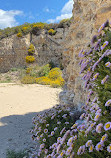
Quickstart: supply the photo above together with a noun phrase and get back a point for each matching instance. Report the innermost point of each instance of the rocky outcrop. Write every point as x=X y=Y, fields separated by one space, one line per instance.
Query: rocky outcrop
x=88 y=15
x=13 y=49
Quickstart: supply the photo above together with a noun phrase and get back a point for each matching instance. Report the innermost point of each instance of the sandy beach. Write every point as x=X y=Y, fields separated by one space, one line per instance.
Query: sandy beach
x=18 y=105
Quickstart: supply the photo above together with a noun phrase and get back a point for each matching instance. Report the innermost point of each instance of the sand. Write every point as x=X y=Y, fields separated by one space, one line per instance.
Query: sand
x=18 y=105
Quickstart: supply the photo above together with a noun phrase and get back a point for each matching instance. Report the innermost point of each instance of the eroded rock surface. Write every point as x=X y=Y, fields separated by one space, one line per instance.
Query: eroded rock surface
x=88 y=15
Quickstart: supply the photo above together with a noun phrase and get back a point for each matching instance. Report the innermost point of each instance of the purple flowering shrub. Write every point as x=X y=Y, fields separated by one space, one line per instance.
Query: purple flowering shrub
x=48 y=127
x=90 y=137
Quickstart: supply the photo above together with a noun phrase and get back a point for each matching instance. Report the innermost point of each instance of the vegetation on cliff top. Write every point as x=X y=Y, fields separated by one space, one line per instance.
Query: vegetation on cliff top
x=33 y=28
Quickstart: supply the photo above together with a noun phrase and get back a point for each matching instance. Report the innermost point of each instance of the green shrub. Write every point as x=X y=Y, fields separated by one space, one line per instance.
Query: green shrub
x=28 y=79
x=52 y=32
x=30 y=59
x=44 y=71
x=64 y=20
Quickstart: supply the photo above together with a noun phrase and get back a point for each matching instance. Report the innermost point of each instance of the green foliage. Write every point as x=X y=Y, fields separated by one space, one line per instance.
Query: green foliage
x=30 y=59
x=29 y=28
x=64 y=20
x=44 y=71
x=13 y=154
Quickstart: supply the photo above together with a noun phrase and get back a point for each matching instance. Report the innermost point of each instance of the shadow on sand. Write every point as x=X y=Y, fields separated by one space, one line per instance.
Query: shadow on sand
x=15 y=133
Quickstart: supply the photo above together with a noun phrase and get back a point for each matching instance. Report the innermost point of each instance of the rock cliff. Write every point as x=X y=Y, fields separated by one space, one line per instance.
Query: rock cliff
x=13 y=49
x=88 y=15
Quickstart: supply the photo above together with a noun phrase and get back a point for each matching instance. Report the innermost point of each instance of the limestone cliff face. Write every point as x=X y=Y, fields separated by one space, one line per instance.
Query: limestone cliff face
x=13 y=49
x=88 y=15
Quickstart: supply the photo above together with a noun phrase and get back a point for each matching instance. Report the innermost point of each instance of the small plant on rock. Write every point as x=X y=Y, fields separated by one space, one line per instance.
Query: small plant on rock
x=19 y=34
x=30 y=59
x=52 y=32
x=31 y=49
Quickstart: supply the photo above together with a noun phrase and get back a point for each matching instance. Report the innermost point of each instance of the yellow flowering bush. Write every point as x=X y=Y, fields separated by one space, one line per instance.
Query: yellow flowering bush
x=55 y=73
x=39 y=25
x=30 y=59
x=52 y=32
x=43 y=80
x=54 y=78
x=19 y=34
x=31 y=49
x=28 y=70
x=26 y=29
x=28 y=79
x=57 y=83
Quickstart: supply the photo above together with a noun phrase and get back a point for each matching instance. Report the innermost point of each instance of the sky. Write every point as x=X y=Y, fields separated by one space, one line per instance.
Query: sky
x=17 y=12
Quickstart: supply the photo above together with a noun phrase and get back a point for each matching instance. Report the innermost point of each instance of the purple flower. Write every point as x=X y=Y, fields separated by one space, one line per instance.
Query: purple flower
x=45 y=130
x=81 y=150
x=103 y=26
x=42 y=146
x=106 y=53
x=104 y=45
x=107 y=126
x=95 y=76
x=99 y=128
x=88 y=143
x=68 y=152
x=52 y=133
x=104 y=79
x=96 y=118
x=97 y=44
x=109 y=148
x=82 y=116
x=108 y=64
x=82 y=53
x=91 y=148
x=104 y=138
x=62 y=131
x=99 y=146
x=89 y=52
x=108 y=102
